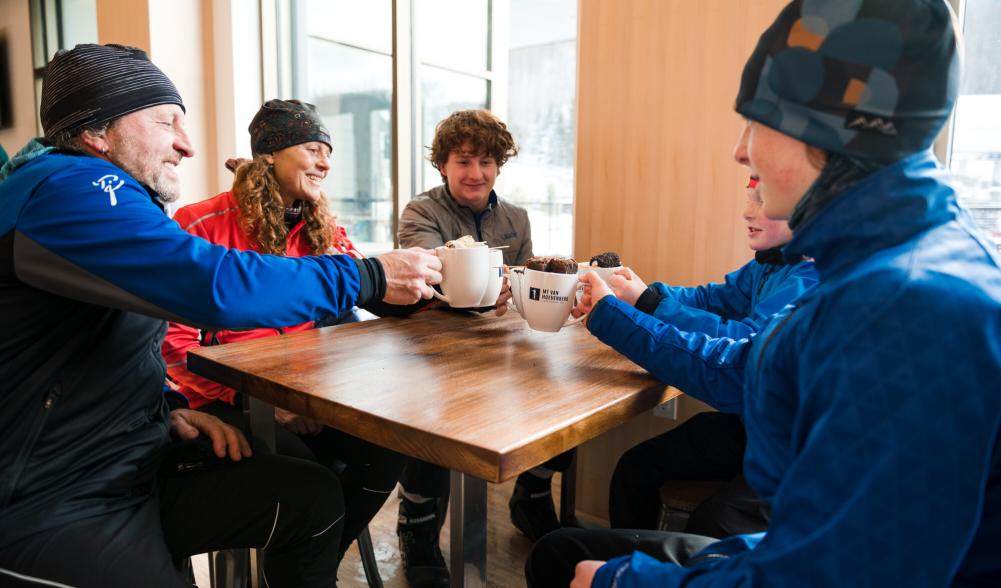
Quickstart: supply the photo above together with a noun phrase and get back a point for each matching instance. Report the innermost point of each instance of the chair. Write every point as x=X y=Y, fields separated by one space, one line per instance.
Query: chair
x=680 y=498
x=231 y=568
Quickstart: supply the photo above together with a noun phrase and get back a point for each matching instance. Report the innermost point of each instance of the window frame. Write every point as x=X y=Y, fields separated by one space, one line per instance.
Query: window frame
x=285 y=34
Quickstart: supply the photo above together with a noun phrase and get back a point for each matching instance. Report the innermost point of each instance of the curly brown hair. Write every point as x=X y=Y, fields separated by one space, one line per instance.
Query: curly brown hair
x=262 y=211
x=484 y=132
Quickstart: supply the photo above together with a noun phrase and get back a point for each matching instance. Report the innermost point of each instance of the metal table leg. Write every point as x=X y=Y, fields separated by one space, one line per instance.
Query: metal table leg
x=468 y=528
x=568 y=494
x=261 y=417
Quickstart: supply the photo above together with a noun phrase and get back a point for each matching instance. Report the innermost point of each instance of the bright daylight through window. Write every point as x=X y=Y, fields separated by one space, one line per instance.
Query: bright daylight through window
x=976 y=139
x=524 y=70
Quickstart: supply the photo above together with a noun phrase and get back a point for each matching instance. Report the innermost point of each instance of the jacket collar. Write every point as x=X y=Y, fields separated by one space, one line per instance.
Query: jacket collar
x=33 y=149
x=884 y=209
x=491 y=202
x=771 y=256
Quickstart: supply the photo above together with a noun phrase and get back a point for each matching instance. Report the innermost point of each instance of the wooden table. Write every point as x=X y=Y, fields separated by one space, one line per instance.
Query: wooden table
x=485 y=397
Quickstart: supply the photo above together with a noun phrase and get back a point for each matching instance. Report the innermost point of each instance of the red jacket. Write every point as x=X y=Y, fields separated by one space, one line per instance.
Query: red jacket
x=218 y=220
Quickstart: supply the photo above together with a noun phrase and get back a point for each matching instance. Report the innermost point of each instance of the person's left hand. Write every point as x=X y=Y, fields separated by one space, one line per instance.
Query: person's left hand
x=226 y=440
x=505 y=295
x=626 y=285
x=594 y=290
x=298 y=424
x=584 y=574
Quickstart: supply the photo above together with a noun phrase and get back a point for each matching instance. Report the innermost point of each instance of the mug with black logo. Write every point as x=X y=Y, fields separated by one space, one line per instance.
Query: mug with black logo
x=546 y=299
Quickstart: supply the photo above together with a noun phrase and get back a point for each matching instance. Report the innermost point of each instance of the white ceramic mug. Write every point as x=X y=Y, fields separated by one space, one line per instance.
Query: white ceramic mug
x=603 y=272
x=464 y=275
x=547 y=298
x=516 y=277
x=495 y=278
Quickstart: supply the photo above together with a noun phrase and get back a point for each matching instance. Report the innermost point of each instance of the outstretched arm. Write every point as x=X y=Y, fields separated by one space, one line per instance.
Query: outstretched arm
x=708 y=368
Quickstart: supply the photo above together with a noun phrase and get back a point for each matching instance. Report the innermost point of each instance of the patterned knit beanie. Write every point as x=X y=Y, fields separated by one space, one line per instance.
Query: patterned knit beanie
x=93 y=84
x=871 y=79
x=284 y=123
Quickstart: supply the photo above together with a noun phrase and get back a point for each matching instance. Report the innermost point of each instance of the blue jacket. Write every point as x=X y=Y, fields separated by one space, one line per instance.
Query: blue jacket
x=872 y=406
x=695 y=338
x=89 y=268
x=738 y=307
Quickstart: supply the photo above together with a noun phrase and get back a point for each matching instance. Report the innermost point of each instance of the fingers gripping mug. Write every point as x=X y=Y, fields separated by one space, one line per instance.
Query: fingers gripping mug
x=605 y=273
x=516 y=277
x=465 y=275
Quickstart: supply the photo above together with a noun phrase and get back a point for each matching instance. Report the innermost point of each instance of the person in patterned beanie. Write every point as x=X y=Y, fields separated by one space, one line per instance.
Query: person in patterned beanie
x=871 y=403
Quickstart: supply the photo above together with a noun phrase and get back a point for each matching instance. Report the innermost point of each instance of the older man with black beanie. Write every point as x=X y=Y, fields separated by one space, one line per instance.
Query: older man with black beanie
x=871 y=403
x=108 y=480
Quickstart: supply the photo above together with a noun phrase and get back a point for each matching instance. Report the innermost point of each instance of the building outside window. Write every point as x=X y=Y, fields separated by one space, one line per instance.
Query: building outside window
x=505 y=55
x=454 y=71
x=975 y=149
x=542 y=91
x=346 y=70
x=55 y=25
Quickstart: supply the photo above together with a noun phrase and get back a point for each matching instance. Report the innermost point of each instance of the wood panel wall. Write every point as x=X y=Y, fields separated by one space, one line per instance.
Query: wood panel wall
x=655 y=177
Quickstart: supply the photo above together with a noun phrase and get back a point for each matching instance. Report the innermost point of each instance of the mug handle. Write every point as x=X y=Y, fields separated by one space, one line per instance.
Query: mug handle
x=441 y=296
x=571 y=320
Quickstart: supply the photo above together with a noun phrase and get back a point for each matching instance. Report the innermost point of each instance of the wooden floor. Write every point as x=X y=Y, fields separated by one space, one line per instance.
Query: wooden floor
x=507 y=548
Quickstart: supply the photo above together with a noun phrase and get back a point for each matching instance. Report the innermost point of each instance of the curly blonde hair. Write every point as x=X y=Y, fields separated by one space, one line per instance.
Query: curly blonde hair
x=262 y=211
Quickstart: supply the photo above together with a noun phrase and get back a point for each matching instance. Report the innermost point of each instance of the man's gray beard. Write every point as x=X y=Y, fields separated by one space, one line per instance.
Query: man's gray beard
x=166 y=193
x=163 y=190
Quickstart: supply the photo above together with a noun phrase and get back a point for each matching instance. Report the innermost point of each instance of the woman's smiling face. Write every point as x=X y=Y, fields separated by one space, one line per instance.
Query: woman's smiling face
x=300 y=170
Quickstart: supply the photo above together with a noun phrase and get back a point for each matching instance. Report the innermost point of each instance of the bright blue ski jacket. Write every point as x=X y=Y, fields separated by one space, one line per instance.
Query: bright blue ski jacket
x=872 y=405
x=741 y=305
x=692 y=338
x=90 y=267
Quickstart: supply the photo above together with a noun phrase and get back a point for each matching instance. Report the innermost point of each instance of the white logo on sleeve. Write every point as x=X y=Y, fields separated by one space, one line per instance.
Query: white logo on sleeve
x=107 y=184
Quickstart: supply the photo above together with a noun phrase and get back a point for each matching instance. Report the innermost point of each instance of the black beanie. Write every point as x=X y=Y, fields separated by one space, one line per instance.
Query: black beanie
x=284 y=123
x=92 y=84
x=870 y=79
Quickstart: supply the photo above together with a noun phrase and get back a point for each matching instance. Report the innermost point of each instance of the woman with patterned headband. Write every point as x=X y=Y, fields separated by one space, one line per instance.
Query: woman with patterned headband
x=277 y=206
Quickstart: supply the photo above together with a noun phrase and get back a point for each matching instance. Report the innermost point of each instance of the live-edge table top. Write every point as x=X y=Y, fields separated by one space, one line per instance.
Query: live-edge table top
x=478 y=394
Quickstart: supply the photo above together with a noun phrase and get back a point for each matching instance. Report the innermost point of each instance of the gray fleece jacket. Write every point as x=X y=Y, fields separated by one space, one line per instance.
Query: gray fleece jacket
x=434 y=217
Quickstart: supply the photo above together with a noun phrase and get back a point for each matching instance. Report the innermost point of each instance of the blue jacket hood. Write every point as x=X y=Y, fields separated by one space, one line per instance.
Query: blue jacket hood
x=871 y=404
x=913 y=192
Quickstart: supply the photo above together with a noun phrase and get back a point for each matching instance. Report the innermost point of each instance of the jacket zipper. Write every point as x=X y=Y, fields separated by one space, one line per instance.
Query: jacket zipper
x=771 y=335
x=769 y=270
x=36 y=430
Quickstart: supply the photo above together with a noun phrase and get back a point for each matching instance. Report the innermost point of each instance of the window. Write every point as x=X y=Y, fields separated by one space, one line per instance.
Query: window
x=383 y=73
x=55 y=25
x=347 y=72
x=542 y=87
x=975 y=150
x=454 y=69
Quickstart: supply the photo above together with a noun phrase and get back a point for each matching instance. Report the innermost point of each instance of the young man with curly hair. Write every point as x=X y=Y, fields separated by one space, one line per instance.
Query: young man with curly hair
x=469 y=149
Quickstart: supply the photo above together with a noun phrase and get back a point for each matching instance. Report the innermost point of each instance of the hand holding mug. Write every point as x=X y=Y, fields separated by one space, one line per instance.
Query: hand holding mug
x=594 y=290
x=410 y=273
x=505 y=294
x=626 y=285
